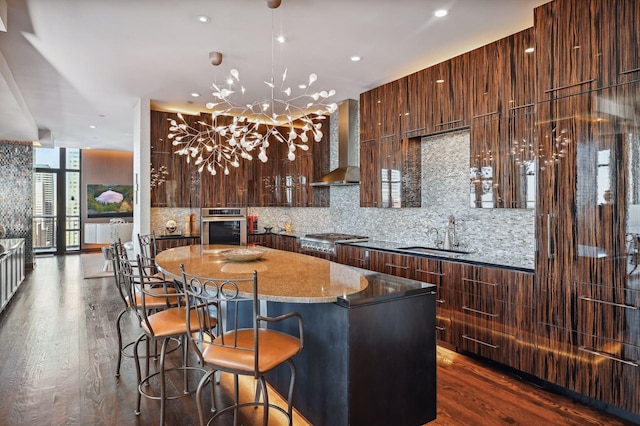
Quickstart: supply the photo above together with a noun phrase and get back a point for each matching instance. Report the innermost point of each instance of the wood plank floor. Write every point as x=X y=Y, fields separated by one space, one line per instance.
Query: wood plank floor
x=58 y=358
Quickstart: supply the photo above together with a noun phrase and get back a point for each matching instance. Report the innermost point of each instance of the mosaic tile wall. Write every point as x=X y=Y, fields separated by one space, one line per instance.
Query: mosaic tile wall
x=16 y=192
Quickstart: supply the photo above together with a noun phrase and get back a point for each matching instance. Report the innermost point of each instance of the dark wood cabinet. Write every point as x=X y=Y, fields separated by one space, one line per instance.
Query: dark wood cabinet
x=167 y=243
x=390 y=263
x=390 y=173
x=370 y=187
x=501 y=97
x=353 y=256
x=436 y=98
x=574 y=46
x=588 y=323
x=627 y=41
x=278 y=182
x=488 y=66
x=180 y=186
x=389 y=164
x=432 y=271
x=493 y=314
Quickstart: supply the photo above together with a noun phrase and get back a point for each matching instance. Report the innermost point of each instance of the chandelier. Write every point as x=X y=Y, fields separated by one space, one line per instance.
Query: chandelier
x=240 y=131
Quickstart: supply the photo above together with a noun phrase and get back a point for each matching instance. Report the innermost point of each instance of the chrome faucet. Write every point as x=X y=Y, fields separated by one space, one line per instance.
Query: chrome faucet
x=450 y=239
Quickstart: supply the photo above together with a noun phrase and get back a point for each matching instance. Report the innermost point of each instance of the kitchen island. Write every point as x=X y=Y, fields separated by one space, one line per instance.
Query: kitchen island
x=369 y=353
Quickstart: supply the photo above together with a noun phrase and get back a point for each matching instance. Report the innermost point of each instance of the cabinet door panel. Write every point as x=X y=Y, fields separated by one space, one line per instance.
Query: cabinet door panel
x=627 y=41
x=573 y=39
x=353 y=256
x=609 y=312
x=392 y=264
x=369 y=174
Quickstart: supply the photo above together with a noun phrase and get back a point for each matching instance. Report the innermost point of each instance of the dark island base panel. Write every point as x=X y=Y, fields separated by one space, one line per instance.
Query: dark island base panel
x=367 y=365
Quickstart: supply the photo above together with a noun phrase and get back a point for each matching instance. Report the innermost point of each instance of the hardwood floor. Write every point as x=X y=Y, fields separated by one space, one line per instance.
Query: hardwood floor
x=58 y=352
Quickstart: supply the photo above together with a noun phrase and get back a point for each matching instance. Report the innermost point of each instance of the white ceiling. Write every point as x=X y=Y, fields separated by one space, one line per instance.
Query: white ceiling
x=66 y=65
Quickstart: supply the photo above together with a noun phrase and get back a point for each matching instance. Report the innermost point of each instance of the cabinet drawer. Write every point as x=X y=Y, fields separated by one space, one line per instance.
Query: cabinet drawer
x=478 y=311
x=609 y=313
x=428 y=270
x=444 y=329
x=392 y=264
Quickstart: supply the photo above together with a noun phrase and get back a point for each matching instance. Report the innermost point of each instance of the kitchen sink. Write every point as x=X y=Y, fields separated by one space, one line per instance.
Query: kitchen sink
x=433 y=250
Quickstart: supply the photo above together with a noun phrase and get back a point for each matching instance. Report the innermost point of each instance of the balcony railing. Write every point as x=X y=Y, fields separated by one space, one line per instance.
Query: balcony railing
x=45 y=231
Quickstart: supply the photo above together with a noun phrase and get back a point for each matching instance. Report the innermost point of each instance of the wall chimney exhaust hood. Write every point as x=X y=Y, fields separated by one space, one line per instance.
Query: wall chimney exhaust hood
x=348 y=171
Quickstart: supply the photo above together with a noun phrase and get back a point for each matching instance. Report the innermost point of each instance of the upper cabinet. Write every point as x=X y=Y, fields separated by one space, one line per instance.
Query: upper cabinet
x=501 y=100
x=627 y=41
x=278 y=182
x=436 y=98
x=390 y=163
x=574 y=46
x=174 y=183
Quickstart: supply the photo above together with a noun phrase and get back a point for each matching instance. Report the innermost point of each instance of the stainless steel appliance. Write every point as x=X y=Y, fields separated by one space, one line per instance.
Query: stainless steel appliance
x=224 y=226
x=326 y=243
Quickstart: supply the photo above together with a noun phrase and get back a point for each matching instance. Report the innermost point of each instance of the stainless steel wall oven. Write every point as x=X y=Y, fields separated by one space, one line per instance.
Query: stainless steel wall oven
x=224 y=226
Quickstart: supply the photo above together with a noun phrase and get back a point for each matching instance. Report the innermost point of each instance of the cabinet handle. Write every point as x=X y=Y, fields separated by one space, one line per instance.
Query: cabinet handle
x=485 y=115
x=629 y=71
x=521 y=106
x=619 y=305
x=466 y=308
x=422 y=271
x=464 y=336
x=550 y=253
x=439 y=328
x=450 y=122
x=391 y=265
x=605 y=355
x=387 y=136
x=441 y=301
x=570 y=85
x=480 y=282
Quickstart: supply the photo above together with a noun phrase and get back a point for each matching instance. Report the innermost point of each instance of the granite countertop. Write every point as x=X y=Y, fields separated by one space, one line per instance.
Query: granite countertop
x=475 y=258
x=289 y=277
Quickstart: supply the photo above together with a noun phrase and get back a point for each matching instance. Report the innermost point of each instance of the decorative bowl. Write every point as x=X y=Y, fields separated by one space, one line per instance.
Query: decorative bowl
x=243 y=255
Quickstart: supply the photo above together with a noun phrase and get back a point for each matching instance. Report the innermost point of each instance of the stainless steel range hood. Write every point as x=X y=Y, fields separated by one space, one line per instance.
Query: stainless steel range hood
x=348 y=171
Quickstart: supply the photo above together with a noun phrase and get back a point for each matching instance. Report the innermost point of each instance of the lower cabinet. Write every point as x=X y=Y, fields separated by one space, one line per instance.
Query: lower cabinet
x=483 y=310
x=353 y=256
x=493 y=315
x=274 y=241
x=167 y=243
x=12 y=269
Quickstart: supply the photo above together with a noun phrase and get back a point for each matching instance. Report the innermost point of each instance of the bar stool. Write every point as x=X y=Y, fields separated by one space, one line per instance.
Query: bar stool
x=126 y=292
x=160 y=326
x=252 y=351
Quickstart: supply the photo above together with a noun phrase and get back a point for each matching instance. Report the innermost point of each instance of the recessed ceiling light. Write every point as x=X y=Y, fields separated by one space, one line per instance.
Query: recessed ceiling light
x=195 y=95
x=281 y=39
x=355 y=58
x=440 y=13
x=204 y=19
x=229 y=80
x=529 y=50
x=302 y=86
x=439 y=81
x=92 y=126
